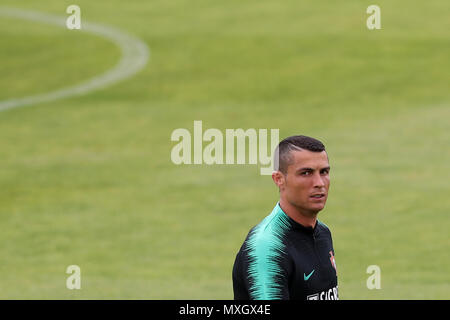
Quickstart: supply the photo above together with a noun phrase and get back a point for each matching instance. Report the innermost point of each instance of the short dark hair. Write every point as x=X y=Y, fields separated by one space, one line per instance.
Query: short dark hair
x=283 y=157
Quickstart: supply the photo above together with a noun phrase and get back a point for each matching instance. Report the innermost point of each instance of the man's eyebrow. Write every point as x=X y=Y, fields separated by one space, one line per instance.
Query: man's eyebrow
x=311 y=169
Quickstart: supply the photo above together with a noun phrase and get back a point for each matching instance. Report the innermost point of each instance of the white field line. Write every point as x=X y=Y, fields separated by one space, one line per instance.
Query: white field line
x=135 y=54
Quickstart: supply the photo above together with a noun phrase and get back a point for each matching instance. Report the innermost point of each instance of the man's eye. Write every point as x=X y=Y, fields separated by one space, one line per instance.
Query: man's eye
x=305 y=173
x=325 y=172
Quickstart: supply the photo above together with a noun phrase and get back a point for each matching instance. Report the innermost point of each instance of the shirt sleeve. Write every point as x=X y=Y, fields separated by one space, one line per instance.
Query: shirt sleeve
x=261 y=272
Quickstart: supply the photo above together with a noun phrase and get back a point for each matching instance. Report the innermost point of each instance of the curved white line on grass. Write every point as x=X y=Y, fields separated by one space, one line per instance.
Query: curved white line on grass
x=134 y=57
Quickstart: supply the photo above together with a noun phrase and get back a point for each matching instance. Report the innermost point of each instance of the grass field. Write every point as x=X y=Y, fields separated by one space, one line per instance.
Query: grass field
x=88 y=180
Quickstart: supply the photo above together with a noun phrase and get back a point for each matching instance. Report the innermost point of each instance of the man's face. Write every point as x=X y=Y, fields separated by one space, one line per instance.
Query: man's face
x=307 y=181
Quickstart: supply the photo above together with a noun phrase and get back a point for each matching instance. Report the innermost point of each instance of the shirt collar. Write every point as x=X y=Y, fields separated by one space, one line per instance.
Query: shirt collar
x=296 y=225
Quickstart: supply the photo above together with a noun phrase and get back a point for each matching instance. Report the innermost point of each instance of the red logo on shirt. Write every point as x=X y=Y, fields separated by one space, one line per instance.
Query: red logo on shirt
x=333 y=262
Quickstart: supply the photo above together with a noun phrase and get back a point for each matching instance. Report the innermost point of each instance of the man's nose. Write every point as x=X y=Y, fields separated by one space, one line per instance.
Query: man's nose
x=318 y=181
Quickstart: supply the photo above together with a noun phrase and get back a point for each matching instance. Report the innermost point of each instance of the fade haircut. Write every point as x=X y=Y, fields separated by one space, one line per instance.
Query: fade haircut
x=283 y=157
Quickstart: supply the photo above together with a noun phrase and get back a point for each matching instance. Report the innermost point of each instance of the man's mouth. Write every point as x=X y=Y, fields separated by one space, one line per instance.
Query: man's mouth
x=318 y=196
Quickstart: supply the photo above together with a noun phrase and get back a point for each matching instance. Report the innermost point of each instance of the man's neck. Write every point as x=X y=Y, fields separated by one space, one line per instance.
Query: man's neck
x=306 y=219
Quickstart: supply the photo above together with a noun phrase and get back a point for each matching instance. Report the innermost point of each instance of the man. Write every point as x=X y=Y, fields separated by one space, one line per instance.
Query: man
x=289 y=254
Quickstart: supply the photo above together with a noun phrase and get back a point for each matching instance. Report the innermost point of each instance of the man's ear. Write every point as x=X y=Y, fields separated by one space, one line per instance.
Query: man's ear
x=278 y=178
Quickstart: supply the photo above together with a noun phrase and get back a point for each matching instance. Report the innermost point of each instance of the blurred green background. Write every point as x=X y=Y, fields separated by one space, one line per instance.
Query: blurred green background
x=89 y=180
